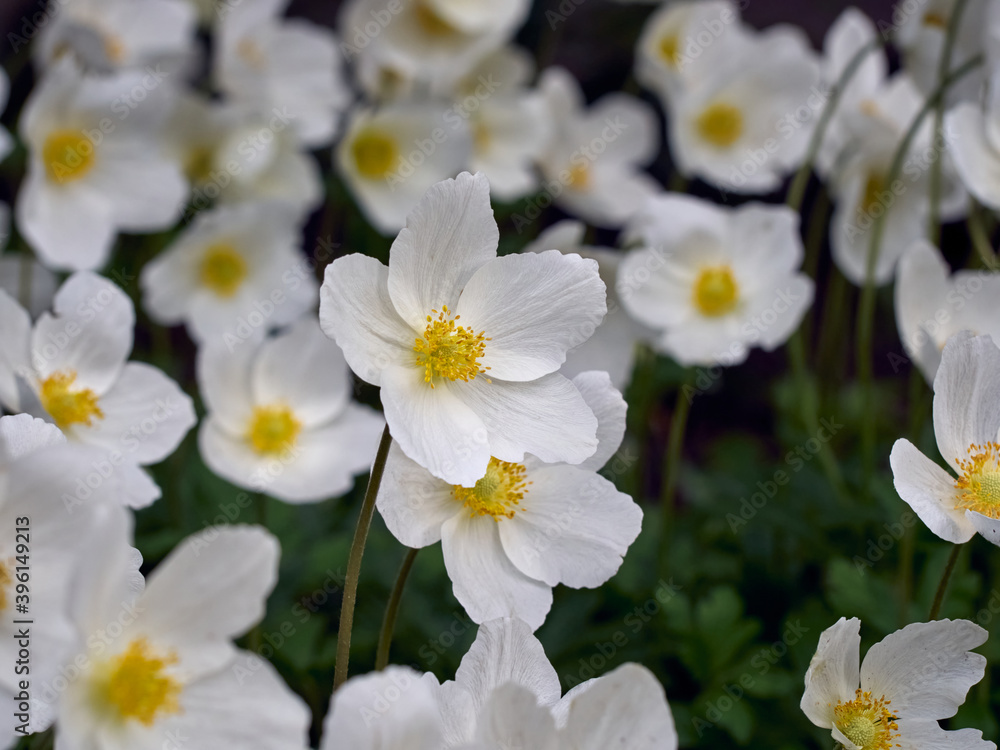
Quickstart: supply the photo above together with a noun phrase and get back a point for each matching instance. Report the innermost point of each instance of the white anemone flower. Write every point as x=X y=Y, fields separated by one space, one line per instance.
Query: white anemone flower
x=592 y=166
x=280 y=416
x=975 y=145
x=967 y=428
x=612 y=347
x=715 y=281
x=168 y=669
x=72 y=370
x=43 y=546
x=395 y=709
x=392 y=155
x=291 y=66
x=231 y=275
x=466 y=345
x=907 y=682
x=95 y=164
x=110 y=35
x=506 y=694
x=524 y=527
x=932 y=304
x=748 y=124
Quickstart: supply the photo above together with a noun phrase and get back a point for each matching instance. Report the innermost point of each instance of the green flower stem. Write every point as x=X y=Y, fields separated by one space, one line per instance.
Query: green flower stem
x=934 y=215
x=956 y=550
x=354 y=561
x=980 y=237
x=392 y=609
x=866 y=307
x=672 y=465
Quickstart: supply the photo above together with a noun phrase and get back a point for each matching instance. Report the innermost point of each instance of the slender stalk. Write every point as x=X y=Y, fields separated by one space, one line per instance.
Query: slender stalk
x=260 y=507
x=25 y=272
x=392 y=609
x=354 y=561
x=797 y=190
x=980 y=238
x=672 y=463
x=934 y=215
x=956 y=550
x=866 y=307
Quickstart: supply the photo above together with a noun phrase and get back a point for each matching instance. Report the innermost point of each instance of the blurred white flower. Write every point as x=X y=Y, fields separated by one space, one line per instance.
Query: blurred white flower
x=277 y=66
x=613 y=345
x=907 y=682
x=974 y=144
x=714 y=281
x=96 y=165
x=22 y=276
x=746 y=125
x=967 y=428
x=109 y=35
x=71 y=367
x=232 y=275
x=392 y=155
x=524 y=527
x=592 y=166
x=280 y=416
x=466 y=345
x=932 y=305
x=168 y=669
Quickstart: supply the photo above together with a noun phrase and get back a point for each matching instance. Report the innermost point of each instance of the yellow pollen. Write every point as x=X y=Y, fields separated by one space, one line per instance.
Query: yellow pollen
x=874 y=187
x=481 y=137
x=935 y=20
x=980 y=480
x=579 y=177
x=223 y=269
x=869 y=108
x=499 y=493
x=375 y=153
x=448 y=350
x=66 y=404
x=430 y=21
x=136 y=686
x=720 y=124
x=6 y=579
x=716 y=291
x=273 y=429
x=867 y=722
x=250 y=52
x=67 y=155
x=114 y=50
x=670 y=49
x=198 y=164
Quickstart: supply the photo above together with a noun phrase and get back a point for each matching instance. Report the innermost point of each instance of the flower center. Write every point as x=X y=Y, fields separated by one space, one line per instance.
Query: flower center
x=6 y=579
x=67 y=155
x=66 y=404
x=250 y=52
x=498 y=493
x=872 y=199
x=866 y=722
x=114 y=49
x=720 y=124
x=716 y=291
x=670 y=49
x=980 y=480
x=375 y=153
x=136 y=686
x=448 y=350
x=579 y=176
x=273 y=429
x=199 y=163
x=430 y=21
x=935 y=20
x=223 y=269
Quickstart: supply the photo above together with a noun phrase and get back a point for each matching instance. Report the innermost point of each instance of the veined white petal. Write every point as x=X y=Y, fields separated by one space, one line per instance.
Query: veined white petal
x=977 y=162
x=413 y=502
x=923 y=733
x=967 y=395
x=833 y=673
x=610 y=409
x=930 y=491
x=512 y=718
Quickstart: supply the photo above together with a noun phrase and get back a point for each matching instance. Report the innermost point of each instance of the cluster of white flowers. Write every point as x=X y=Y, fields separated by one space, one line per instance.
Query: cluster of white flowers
x=500 y=375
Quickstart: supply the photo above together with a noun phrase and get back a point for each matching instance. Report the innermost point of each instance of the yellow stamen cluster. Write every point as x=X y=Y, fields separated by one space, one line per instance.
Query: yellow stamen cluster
x=720 y=124
x=499 y=493
x=430 y=20
x=375 y=153
x=979 y=482
x=67 y=155
x=716 y=291
x=579 y=176
x=273 y=429
x=867 y=722
x=223 y=269
x=6 y=579
x=448 y=350
x=68 y=405
x=137 y=687
x=670 y=49
x=935 y=20
x=250 y=52
x=871 y=202
x=114 y=49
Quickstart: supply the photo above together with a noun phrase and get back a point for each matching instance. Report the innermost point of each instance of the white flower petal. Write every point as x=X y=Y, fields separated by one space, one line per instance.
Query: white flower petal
x=225 y=386
x=572 y=527
x=926 y=668
x=512 y=718
x=448 y=236
x=610 y=409
x=413 y=502
x=484 y=579
x=21 y=434
x=921 y=288
x=15 y=348
x=533 y=308
x=230 y=456
x=833 y=673
x=930 y=491
x=966 y=395
x=988 y=527
x=928 y=735
x=547 y=418
x=355 y=311
x=977 y=162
